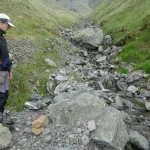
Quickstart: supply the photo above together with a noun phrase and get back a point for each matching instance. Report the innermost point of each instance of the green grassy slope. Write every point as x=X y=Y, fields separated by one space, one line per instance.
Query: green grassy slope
x=38 y=21
x=129 y=22
x=36 y=17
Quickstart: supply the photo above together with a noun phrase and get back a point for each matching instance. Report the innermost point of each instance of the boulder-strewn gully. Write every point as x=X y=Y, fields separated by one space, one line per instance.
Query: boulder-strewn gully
x=89 y=105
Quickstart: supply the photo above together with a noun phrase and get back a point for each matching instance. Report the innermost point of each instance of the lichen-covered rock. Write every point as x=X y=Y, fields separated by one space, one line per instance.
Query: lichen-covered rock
x=5 y=137
x=39 y=125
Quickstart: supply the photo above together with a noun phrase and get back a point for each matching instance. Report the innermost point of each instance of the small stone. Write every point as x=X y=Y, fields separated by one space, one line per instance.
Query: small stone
x=17 y=129
x=27 y=130
x=91 y=125
x=71 y=136
x=47 y=71
x=48 y=138
x=46 y=132
x=147 y=105
x=50 y=62
x=132 y=89
x=22 y=141
x=28 y=123
x=85 y=140
x=79 y=130
x=87 y=132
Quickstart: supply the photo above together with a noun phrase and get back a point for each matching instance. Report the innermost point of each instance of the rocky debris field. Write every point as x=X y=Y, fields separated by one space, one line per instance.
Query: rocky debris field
x=21 y=50
x=89 y=105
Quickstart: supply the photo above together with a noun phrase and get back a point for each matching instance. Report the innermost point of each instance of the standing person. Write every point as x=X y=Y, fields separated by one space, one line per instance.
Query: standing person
x=5 y=63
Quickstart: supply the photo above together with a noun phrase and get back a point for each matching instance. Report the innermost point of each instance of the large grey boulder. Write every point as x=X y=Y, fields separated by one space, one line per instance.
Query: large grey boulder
x=111 y=131
x=90 y=38
x=82 y=107
x=5 y=137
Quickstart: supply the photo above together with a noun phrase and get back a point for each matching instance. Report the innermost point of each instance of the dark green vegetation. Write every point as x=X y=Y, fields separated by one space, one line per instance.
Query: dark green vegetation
x=129 y=22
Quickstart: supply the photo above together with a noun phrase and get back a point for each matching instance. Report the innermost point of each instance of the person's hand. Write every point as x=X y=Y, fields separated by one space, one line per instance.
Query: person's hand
x=1 y=80
x=10 y=75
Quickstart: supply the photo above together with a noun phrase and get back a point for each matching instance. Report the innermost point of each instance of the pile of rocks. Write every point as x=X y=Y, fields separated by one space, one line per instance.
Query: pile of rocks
x=97 y=113
x=21 y=50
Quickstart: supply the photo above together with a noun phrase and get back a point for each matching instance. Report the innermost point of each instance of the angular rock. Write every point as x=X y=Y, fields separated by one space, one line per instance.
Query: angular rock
x=68 y=111
x=145 y=93
x=111 y=130
x=138 y=140
x=91 y=125
x=5 y=137
x=147 y=105
x=51 y=85
x=90 y=38
x=50 y=62
x=132 y=89
x=60 y=79
x=35 y=97
x=100 y=49
x=31 y=105
x=39 y=125
x=108 y=82
x=102 y=59
x=108 y=40
x=62 y=87
x=119 y=102
x=135 y=76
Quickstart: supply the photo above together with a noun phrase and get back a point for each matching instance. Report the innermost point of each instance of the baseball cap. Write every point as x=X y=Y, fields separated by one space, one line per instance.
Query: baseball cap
x=5 y=19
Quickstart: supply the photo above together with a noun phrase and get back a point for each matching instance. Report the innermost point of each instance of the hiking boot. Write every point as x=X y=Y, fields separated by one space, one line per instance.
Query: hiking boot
x=8 y=121
x=10 y=127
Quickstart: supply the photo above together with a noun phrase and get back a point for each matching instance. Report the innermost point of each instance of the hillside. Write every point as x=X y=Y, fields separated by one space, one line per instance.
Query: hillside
x=129 y=22
x=39 y=17
x=81 y=6
x=37 y=25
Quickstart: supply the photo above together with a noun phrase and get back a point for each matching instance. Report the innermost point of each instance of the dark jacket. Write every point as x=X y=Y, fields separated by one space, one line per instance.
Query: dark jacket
x=3 y=50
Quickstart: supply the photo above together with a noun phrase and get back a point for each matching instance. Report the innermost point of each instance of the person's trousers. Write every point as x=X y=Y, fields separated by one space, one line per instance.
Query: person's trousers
x=3 y=100
x=4 y=89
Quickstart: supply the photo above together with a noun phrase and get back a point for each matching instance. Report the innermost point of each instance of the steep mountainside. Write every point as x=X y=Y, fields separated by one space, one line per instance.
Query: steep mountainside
x=129 y=22
x=73 y=5
x=34 y=18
